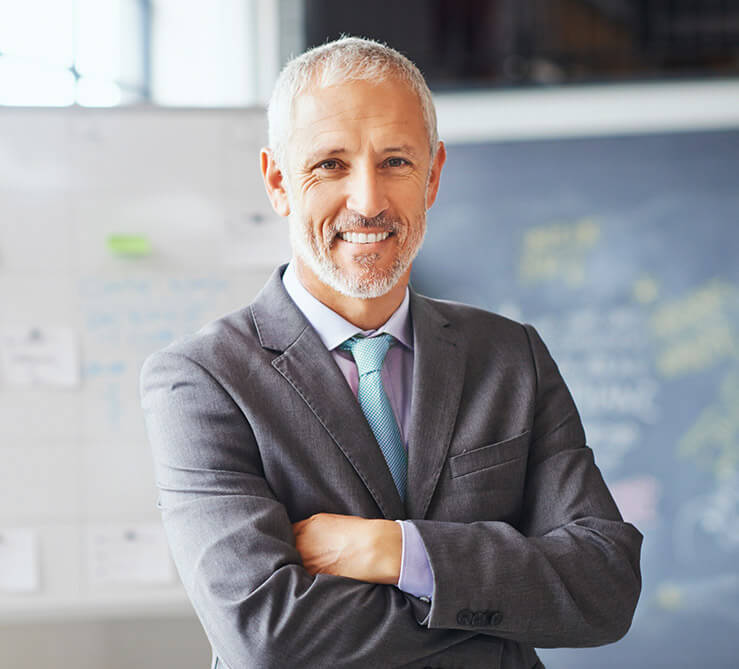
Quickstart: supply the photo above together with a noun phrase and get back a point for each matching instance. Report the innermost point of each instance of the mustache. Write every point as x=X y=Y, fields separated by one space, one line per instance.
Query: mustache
x=357 y=222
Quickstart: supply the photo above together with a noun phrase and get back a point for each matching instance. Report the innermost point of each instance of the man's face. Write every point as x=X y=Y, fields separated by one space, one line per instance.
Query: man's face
x=358 y=175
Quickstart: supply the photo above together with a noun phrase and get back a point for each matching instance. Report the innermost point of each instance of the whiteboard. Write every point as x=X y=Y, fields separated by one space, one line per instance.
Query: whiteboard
x=76 y=464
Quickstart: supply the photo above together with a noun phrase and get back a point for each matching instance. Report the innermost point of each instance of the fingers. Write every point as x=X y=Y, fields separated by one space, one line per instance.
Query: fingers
x=300 y=525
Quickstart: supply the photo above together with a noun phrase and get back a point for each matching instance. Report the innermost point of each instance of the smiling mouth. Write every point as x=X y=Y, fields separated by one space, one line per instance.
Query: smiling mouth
x=363 y=237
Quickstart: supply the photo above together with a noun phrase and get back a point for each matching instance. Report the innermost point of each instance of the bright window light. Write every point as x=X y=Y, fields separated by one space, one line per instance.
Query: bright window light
x=93 y=92
x=98 y=45
x=29 y=84
x=64 y=52
x=38 y=30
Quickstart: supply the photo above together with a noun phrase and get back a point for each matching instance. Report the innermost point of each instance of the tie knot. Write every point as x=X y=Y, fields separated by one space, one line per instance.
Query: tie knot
x=369 y=352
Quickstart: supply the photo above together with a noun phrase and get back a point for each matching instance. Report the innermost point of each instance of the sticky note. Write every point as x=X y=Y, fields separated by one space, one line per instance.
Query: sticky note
x=637 y=499
x=19 y=564
x=129 y=245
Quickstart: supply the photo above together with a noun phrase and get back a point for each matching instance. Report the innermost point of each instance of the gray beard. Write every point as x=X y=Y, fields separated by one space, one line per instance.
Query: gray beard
x=371 y=283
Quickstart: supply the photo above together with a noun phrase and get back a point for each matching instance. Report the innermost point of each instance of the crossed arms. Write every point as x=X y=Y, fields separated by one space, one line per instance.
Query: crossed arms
x=364 y=549
x=270 y=593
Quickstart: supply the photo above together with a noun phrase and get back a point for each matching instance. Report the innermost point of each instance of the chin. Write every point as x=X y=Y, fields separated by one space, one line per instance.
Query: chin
x=361 y=280
x=362 y=286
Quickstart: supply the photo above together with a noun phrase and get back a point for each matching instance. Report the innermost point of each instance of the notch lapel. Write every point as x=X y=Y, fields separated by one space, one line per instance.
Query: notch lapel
x=311 y=371
x=438 y=379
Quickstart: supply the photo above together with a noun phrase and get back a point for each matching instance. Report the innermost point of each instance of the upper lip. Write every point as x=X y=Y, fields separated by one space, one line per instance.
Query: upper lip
x=367 y=231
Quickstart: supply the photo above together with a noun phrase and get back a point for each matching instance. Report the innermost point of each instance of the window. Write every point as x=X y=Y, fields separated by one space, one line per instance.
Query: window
x=64 y=52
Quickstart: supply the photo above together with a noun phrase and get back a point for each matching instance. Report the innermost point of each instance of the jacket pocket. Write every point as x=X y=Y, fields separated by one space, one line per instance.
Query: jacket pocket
x=489 y=456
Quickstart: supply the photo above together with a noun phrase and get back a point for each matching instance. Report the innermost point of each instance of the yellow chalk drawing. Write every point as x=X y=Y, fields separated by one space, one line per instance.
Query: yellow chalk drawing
x=698 y=352
x=669 y=597
x=714 y=437
x=697 y=331
x=646 y=290
x=703 y=304
x=558 y=251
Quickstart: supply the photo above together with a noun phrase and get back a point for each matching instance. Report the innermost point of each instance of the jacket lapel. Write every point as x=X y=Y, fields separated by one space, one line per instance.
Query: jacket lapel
x=438 y=378
x=311 y=371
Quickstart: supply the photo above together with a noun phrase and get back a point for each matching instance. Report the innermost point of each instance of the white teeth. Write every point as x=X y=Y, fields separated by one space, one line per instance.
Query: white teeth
x=363 y=238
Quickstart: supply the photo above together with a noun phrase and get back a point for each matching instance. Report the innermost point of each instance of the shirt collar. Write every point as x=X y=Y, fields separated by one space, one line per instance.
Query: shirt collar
x=334 y=329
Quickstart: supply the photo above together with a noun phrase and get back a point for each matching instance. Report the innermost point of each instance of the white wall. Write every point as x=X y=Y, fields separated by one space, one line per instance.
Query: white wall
x=582 y=111
x=225 y=57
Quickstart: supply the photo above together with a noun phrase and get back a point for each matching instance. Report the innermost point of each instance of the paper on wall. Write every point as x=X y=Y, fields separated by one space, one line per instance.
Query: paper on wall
x=19 y=564
x=40 y=356
x=134 y=554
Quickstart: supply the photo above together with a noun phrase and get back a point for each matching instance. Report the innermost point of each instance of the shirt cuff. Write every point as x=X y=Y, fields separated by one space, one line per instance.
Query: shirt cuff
x=416 y=577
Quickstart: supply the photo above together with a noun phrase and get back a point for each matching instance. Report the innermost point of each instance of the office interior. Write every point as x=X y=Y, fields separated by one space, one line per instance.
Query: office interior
x=591 y=190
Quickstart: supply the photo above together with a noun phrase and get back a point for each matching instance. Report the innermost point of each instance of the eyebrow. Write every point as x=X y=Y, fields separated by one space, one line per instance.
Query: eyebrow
x=327 y=153
x=324 y=153
x=402 y=148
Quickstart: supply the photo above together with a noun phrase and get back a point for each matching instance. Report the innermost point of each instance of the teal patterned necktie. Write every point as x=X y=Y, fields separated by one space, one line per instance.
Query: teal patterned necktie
x=369 y=354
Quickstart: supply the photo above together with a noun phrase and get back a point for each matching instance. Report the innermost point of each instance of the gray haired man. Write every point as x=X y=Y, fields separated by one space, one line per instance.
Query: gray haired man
x=351 y=474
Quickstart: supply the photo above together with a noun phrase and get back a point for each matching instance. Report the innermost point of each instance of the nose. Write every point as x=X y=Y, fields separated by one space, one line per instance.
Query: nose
x=366 y=195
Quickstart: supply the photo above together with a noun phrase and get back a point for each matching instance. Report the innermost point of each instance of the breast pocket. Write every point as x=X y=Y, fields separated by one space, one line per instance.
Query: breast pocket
x=487 y=483
x=497 y=455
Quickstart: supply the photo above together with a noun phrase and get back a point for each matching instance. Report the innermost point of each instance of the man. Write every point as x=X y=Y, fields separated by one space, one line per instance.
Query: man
x=290 y=436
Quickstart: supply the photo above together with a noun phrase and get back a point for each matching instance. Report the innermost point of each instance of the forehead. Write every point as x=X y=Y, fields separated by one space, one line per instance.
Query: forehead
x=382 y=109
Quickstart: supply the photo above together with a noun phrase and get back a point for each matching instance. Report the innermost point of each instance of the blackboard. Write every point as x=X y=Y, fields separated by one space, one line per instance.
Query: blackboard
x=623 y=252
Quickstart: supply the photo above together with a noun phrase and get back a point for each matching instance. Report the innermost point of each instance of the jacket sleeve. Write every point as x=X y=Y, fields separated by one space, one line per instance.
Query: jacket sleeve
x=568 y=573
x=233 y=545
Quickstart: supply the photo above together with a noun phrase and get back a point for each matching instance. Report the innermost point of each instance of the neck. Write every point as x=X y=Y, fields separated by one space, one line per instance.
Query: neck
x=365 y=313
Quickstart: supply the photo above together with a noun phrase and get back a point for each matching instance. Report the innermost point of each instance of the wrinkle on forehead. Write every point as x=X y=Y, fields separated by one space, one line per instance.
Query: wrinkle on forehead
x=321 y=101
x=352 y=114
x=328 y=114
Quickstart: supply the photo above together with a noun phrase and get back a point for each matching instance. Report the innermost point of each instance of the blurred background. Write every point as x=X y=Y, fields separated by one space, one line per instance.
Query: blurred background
x=591 y=189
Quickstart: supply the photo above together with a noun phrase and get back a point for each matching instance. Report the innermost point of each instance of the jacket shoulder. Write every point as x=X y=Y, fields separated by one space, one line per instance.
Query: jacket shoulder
x=217 y=344
x=477 y=323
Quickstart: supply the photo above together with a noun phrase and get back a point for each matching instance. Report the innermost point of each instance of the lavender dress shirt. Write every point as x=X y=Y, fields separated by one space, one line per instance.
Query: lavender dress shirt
x=416 y=577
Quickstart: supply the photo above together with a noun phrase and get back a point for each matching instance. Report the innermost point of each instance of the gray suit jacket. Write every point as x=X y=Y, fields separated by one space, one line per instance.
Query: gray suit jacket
x=253 y=427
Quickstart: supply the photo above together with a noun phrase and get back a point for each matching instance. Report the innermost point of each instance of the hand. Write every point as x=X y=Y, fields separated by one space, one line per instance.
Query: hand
x=361 y=548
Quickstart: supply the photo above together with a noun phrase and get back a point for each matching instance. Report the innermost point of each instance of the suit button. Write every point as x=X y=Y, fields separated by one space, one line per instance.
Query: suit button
x=464 y=617
x=480 y=619
x=495 y=618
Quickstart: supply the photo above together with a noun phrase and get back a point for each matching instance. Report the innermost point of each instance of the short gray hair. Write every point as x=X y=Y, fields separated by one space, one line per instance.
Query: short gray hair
x=345 y=59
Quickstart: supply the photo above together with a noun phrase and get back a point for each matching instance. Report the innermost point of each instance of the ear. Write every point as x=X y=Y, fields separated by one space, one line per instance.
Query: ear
x=274 y=182
x=435 y=176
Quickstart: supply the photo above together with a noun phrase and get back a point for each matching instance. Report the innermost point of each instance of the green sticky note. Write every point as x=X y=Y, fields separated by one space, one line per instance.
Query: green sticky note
x=129 y=245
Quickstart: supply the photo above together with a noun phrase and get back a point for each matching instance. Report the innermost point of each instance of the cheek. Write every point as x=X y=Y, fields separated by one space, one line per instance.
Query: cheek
x=321 y=209
x=415 y=234
x=414 y=217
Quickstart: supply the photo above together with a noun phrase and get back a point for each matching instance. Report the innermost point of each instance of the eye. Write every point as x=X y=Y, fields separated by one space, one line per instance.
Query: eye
x=330 y=164
x=395 y=161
